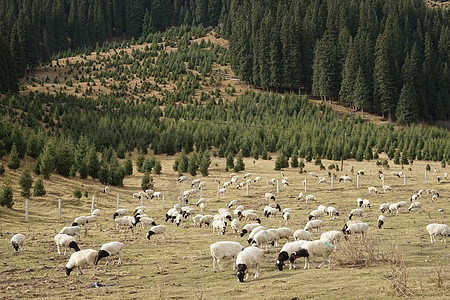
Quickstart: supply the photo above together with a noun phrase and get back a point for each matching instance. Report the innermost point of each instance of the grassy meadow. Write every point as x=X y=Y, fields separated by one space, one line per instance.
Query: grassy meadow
x=396 y=261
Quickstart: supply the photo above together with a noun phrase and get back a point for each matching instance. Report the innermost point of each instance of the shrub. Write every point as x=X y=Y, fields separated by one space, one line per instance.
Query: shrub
x=6 y=194
x=77 y=193
x=39 y=189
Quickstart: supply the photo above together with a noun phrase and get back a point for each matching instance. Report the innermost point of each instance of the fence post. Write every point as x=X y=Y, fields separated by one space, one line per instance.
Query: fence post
x=92 y=204
x=117 y=205
x=59 y=208
x=404 y=179
x=382 y=180
x=332 y=182
x=357 y=181
x=201 y=192
x=305 y=184
x=26 y=209
x=426 y=179
x=278 y=187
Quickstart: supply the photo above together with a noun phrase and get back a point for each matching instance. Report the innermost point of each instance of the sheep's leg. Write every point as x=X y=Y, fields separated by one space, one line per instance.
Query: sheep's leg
x=218 y=263
x=120 y=259
x=214 y=264
x=79 y=269
x=164 y=236
x=59 y=251
x=257 y=271
x=306 y=264
x=234 y=263
x=65 y=248
x=94 y=270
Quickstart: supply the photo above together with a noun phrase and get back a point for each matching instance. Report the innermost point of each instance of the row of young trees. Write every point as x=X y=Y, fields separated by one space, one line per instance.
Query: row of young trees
x=390 y=57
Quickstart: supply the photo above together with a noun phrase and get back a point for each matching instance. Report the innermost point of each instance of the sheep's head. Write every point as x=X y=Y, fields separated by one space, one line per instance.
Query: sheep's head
x=100 y=255
x=243 y=232
x=74 y=246
x=241 y=270
x=250 y=240
x=115 y=215
x=258 y=220
x=149 y=234
x=310 y=217
x=282 y=257
x=344 y=229
x=74 y=224
x=15 y=246
x=68 y=271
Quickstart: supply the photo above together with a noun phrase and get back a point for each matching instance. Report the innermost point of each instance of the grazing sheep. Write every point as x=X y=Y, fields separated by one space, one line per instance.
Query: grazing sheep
x=313 y=224
x=269 y=196
x=92 y=219
x=345 y=179
x=224 y=249
x=146 y=221
x=313 y=174
x=110 y=249
x=82 y=258
x=72 y=230
x=220 y=226
x=275 y=205
x=438 y=229
x=247 y=175
x=235 y=225
x=302 y=234
x=225 y=213
x=322 y=208
x=196 y=219
x=310 y=198
x=232 y=203
x=182 y=178
x=96 y=212
x=314 y=248
x=356 y=228
x=401 y=204
x=254 y=232
x=365 y=203
x=316 y=214
x=119 y=212
x=381 y=220
x=286 y=251
x=257 y=179
x=271 y=182
x=125 y=223
x=284 y=233
x=194 y=182
x=356 y=212
x=252 y=217
x=415 y=206
x=300 y=196
x=158 y=229
x=106 y=190
x=387 y=188
x=322 y=180
x=286 y=217
x=434 y=198
x=332 y=236
x=332 y=212
x=413 y=198
x=62 y=239
x=18 y=240
x=396 y=174
x=202 y=206
x=270 y=211
x=246 y=259
x=394 y=207
x=157 y=195
x=247 y=229
x=284 y=181
x=79 y=221
x=384 y=207
x=234 y=179
x=202 y=200
x=372 y=189
x=207 y=220
x=202 y=185
x=381 y=176
x=221 y=192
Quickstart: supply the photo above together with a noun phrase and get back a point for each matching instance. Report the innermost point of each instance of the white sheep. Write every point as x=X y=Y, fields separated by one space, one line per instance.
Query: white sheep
x=62 y=239
x=82 y=258
x=332 y=236
x=285 y=253
x=246 y=259
x=202 y=185
x=247 y=175
x=234 y=179
x=194 y=182
x=119 y=212
x=182 y=178
x=257 y=179
x=270 y=211
x=247 y=229
x=206 y=220
x=18 y=240
x=221 y=192
x=314 y=248
x=356 y=212
x=124 y=223
x=286 y=217
x=146 y=221
x=313 y=174
x=220 y=226
x=310 y=198
x=269 y=196
x=300 y=196
x=387 y=188
x=235 y=225
x=275 y=205
x=156 y=195
x=372 y=189
x=72 y=230
x=384 y=207
x=254 y=232
x=394 y=208
x=345 y=179
x=332 y=212
x=202 y=206
x=316 y=214
x=313 y=224
x=415 y=206
x=284 y=233
x=224 y=249
x=285 y=182
x=196 y=219
x=365 y=203
x=106 y=190
x=252 y=217
x=360 y=227
x=202 y=200
x=108 y=250
x=397 y=174
x=158 y=229
x=92 y=219
x=413 y=197
x=232 y=203
x=271 y=182
x=225 y=213
x=434 y=198
x=381 y=220
x=302 y=234
x=322 y=180
x=402 y=204
x=79 y=221
x=438 y=229
x=241 y=185
x=96 y=212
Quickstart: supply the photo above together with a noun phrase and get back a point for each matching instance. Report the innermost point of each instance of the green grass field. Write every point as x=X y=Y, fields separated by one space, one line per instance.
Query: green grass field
x=181 y=266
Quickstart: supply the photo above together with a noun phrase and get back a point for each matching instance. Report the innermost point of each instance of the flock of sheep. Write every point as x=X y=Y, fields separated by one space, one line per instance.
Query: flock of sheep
x=259 y=238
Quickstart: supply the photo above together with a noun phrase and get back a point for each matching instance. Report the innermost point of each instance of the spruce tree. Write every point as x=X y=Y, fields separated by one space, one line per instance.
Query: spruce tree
x=128 y=165
x=25 y=182
x=140 y=161
x=294 y=160
x=157 y=169
x=14 y=161
x=39 y=189
x=193 y=164
x=6 y=194
x=239 y=166
x=229 y=162
x=147 y=182
x=183 y=162
x=407 y=109
x=205 y=162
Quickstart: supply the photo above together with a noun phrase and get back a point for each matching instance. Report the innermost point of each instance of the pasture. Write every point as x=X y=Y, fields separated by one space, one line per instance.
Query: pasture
x=180 y=266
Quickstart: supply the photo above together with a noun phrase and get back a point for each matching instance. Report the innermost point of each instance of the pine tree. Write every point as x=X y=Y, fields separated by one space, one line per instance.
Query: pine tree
x=128 y=165
x=294 y=160
x=140 y=161
x=14 y=161
x=47 y=159
x=360 y=92
x=147 y=182
x=407 y=109
x=183 y=162
x=229 y=162
x=193 y=165
x=205 y=162
x=239 y=166
x=39 y=189
x=6 y=194
x=157 y=169
x=25 y=182
x=64 y=157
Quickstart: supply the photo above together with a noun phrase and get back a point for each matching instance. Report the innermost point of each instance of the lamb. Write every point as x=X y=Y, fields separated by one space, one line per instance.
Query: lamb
x=207 y=219
x=387 y=188
x=316 y=214
x=269 y=196
x=220 y=226
x=182 y=178
x=372 y=189
x=224 y=249
x=257 y=179
x=365 y=203
x=313 y=174
x=284 y=181
x=246 y=259
x=108 y=250
x=285 y=252
x=247 y=229
x=82 y=258
x=252 y=217
x=268 y=211
x=62 y=239
x=394 y=207
x=194 y=182
x=356 y=212
x=286 y=217
x=72 y=230
x=271 y=182
x=345 y=179
x=79 y=221
x=18 y=240
x=415 y=206
x=384 y=207
x=313 y=224
x=332 y=236
x=356 y=228
x=310 y=198
x=158 y=229
x=96 y=212
x=196 y=219
x=286 y=210
x=438 y=229
x=381 y=220
x=106 y=190
x=232 y=203
x=314 y=248
x=247 y=175
x=301 y=234
x=119 y=212
x=332 y=212
x=235 y=225
x=322 y=180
